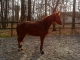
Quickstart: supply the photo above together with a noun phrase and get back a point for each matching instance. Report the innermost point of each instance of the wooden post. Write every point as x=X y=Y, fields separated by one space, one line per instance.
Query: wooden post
x=73 y=18
x=11 y=28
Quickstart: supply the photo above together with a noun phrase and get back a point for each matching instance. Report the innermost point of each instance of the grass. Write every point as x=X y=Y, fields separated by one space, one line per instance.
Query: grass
x=5 y=33
x=4 y=36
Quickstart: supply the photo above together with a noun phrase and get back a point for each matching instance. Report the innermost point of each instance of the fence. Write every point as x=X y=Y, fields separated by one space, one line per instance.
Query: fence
x=10 y=30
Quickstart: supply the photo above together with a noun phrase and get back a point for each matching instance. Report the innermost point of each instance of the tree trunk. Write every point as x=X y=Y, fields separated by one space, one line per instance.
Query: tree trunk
x=22 y=10
x=29 y=10
x=45 y=7
x=3 y=16
x=7 y=12
x=12 y=10
x=54 y=10
x=2 y=13
x=16 y=13
x=73 y=18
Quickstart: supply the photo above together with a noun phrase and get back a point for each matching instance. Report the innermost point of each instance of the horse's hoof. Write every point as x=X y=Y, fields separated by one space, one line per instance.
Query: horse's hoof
x=42 y=52
x=19 y=50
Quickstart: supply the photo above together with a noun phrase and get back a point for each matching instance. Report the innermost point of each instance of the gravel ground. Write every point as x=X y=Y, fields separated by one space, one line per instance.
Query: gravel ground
x=64 y=47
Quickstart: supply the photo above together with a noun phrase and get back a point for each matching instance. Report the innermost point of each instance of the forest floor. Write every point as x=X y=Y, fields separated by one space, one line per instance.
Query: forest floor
x=60 y=47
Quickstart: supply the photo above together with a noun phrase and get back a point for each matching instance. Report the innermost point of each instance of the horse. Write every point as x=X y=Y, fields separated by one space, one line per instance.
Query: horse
x=39 y=28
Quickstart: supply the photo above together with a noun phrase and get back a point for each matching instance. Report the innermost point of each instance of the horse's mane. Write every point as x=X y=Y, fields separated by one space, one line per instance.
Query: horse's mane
x=44 y=19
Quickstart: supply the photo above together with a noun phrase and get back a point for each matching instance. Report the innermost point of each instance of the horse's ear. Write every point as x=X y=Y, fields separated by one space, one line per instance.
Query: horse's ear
x=58 y=13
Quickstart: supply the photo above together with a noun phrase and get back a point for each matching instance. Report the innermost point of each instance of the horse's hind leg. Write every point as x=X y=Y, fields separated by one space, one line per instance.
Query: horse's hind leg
x=20 y=39
x=19 y=44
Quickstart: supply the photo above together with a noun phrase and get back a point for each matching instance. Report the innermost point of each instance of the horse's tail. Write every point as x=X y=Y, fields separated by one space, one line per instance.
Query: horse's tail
x=17 y=29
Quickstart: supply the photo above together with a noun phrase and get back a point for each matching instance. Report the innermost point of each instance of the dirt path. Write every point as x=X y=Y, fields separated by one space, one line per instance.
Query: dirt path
x=55 y=48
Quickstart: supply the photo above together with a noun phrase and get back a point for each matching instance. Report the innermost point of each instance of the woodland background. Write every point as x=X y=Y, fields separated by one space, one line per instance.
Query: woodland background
x=14 y=11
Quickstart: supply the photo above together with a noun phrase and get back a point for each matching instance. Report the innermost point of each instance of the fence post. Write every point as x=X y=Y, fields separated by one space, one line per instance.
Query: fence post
x=59 y=30
x=11 y=28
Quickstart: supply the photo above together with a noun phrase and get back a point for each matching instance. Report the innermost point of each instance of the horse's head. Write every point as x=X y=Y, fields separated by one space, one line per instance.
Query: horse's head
x=57 y=19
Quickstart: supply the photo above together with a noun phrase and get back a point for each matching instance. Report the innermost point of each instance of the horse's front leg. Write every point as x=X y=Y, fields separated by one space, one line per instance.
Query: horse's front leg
x=41 y=46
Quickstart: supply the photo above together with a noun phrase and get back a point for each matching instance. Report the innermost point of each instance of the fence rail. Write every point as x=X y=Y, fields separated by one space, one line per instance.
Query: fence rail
x=12 y=28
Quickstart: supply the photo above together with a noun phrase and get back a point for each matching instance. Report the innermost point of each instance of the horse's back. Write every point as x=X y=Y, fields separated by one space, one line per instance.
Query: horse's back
x=31 y=28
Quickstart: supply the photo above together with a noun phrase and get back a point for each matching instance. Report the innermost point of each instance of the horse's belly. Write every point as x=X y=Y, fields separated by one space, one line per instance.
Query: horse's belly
x=34 y=33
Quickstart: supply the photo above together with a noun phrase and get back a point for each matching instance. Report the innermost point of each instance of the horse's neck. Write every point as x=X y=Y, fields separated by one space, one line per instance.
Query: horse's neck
x=47 y=23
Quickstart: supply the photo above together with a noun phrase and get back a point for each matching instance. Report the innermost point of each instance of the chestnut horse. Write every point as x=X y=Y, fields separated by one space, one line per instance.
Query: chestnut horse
x=39 y=28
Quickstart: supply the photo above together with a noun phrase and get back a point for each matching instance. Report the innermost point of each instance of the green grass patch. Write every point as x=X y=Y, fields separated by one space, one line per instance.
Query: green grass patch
x=4 y=36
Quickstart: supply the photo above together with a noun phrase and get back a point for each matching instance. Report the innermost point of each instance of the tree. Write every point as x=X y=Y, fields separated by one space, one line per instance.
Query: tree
x=12 y=10
x=22 y=10
x=29 y=10
x=16 y=12
x=3 y=13
x=45 y=7
x=73 y=18
x=54 y=10
x=79 y=5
